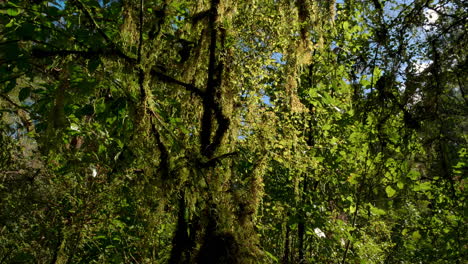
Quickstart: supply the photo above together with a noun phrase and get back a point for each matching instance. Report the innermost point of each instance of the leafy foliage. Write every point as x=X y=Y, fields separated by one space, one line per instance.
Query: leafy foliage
x=159 y=131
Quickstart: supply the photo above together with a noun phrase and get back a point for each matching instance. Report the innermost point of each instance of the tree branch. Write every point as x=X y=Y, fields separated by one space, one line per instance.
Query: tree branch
x=140 y=29
x=13 y=103
x=42 y=53
x=212 y=162
x=211 y=107
x=82 y=7
x=208 y=100
x=141 y=73
x=166 y=78
x=157 y=26
x=163 y=153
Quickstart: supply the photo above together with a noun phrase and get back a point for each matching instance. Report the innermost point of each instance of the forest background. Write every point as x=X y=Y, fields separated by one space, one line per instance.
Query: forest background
x=224 y=131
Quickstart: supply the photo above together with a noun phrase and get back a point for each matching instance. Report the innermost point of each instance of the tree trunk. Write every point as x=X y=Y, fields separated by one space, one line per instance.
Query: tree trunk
x=287 y=250
x=301 y=225
x=182 y=244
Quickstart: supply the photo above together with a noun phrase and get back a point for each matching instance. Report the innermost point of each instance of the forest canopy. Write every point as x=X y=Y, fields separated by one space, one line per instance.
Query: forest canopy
x=232 y=131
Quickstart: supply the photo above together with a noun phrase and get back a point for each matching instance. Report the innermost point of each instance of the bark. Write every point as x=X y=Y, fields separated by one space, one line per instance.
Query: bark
x=182 y=243
x=301 y=225
x=287 y=250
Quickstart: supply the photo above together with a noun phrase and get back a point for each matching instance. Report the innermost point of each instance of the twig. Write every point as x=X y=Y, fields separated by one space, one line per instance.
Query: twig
x=212 y=162
x=42 y=53
x=140 y=42
x=13 y=103
x=101 y=32
x=141 y=73
x=189 y=87
x=163 y=155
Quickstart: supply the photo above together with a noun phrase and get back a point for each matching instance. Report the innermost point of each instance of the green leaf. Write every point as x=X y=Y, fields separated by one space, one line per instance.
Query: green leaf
x=10 y=24
x=425 y=186
x=353 y=178
x=74 y=127
x=400 y=185
x=275 y=259
x=390 y=191
x=100 y=106
x=13 y=11
x=377 y=211
x=416 y=235
x=345 y=25
x=102 y=149
x=376 y=73
x=414 y=175
x=24 y=93
x=116 y=157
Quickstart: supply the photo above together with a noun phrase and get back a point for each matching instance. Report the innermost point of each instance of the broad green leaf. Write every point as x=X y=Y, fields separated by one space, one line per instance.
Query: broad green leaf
x=400 y=185
x=377 y=211
x=13 y=11
x=416 y=235
x=414 y=175
x=100 y=106
x=353 y=178
x=102 y=149
x=74 y=127
x=425 y=186
x=390 y=191
x=346 y=25
x=376 y=73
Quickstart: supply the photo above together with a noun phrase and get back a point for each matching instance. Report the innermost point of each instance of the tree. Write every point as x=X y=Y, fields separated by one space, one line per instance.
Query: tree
x=231 y=131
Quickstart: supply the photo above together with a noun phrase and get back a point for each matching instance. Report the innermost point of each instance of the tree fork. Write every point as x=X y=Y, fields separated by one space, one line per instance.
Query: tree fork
x=210 y=106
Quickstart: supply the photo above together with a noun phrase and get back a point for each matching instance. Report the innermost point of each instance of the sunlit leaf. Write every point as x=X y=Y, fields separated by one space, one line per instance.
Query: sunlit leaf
x=390 y=191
